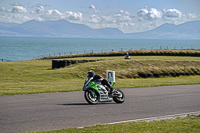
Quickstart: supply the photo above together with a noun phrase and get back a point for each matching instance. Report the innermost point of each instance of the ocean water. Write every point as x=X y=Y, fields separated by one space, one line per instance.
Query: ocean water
x=26 y=48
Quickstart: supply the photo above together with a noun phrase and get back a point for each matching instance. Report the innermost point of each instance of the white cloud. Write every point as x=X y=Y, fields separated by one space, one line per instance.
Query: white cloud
x=146 y=19
x=92 y=19
x=120 y=17
x=93 y=8
x=107 y=19
x=17 y=18
x=2 y=9
x=124 y=12
x=54 y=12
x=56 y=15
x=192 y=15
x=142 y=12
x=19 y=9
x=40 y=8
x=15 y=4
x=155 y=14
x=172 y=13
x=73 y=15
x=149 y=15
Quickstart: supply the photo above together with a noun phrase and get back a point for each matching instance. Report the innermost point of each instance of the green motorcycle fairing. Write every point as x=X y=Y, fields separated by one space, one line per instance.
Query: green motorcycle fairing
x=94 y=86
x=112 y=84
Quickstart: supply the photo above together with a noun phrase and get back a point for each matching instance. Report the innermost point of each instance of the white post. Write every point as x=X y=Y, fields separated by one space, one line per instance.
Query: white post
x=110 y=76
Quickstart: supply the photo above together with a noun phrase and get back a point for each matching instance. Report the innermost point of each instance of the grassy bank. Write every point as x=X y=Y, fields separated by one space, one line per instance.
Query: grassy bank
x=156 y=52
x=38 y=77
x=190 y=124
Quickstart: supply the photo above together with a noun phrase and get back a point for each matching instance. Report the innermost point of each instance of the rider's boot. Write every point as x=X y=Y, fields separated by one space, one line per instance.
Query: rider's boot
x=111 y=91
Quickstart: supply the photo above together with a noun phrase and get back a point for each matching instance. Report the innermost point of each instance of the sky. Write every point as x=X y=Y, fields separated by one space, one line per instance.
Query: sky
x=129 y=16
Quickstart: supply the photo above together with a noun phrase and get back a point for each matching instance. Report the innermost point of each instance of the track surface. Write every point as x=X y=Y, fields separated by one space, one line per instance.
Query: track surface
x=40 y=112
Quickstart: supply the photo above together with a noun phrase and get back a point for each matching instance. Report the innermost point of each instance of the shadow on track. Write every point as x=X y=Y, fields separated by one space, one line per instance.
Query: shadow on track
x=85 y=104
x=74 y=104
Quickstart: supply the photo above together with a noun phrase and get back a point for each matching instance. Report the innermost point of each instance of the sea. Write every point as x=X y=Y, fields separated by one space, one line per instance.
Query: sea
x=27 y=48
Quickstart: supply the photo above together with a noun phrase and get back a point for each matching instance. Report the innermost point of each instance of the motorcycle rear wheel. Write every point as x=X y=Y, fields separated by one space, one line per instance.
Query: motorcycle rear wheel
x=120 y=98
x=91 y=97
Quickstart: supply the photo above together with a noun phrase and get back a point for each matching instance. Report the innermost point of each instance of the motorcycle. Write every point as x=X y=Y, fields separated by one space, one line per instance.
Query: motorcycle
x=96 y=92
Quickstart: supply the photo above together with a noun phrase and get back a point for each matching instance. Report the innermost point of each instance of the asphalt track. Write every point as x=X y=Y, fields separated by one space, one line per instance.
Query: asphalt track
x=49 y=111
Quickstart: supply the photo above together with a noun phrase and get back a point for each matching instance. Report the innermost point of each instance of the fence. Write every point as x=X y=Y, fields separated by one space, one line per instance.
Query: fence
x=112 y=50
x=3 y=60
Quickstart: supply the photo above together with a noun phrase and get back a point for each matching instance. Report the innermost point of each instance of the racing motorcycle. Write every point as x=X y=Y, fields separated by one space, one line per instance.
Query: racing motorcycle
x=96 y=92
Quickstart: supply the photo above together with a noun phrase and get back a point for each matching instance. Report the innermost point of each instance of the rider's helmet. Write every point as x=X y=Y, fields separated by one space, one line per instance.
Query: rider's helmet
x=90 y=74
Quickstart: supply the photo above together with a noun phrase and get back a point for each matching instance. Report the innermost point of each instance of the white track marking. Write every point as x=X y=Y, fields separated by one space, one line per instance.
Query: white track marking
x=159 y=117
x=156 y=118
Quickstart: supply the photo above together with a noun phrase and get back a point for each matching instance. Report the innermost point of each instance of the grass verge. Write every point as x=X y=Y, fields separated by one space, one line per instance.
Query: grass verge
x=190 y=124
x=38 y=77
x=157 y=52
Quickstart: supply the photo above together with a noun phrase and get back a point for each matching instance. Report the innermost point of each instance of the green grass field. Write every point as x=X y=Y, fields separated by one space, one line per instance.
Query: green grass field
x=155 y=52
x=38 y=77
x=190 y=124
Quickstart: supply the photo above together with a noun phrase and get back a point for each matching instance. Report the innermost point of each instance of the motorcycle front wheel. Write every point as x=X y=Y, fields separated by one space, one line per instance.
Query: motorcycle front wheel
x=120 y=97
x=91 y=97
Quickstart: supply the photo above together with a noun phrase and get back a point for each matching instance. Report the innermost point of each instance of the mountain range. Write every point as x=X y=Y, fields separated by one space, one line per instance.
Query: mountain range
x=63 y=28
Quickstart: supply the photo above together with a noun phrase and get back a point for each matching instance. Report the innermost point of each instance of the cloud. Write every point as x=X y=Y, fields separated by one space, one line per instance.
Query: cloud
x=124 y=12
x=172 y=13
x=112 y=18
x=2 y=9
x=54 y=12
x=40 y=8
x=15 y=4
x=191 y=15
x=144 y=19
x=19 y=9
x=149 y=14
x=73 y=15
x=156 y=14
x=92 y=19
x=68 y=15
x=93 y=8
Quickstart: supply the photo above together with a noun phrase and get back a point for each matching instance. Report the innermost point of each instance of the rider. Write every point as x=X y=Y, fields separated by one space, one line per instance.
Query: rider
x=98 y=78
x=127 y=56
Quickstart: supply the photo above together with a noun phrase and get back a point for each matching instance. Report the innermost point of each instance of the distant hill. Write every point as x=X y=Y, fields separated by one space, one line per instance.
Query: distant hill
x=59 y=28
x=188 y=30
x=63 y=28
